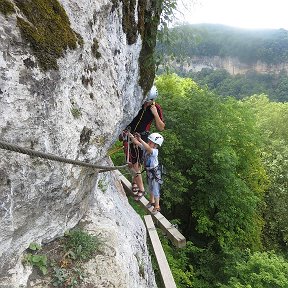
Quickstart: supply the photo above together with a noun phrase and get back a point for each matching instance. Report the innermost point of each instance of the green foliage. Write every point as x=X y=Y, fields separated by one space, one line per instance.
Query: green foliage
x=268 y=46
x=80 y=245
x=34 y=246
x=178 y=260
x=272 y=123
x=6 y=7
x=70 y=278
x=214 y=169
x=47 y=30
x=240 y=86
x=36 y=260
x=263 y=270
x=117 y=154
x=153 y=25
x=215 y=180
x=77 y=246
x=102 y=185
x=62 y=259
x=76 y=112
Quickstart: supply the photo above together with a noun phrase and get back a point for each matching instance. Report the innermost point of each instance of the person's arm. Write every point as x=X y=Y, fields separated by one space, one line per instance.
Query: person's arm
x=160 y=125
x=139 y=142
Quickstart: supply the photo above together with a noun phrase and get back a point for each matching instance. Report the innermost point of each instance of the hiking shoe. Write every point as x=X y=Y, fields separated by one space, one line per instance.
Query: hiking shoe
x=155 y=210
x=139 y=195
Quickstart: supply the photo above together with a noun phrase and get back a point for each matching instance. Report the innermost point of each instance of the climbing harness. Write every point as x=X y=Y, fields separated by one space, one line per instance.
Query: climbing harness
x=156 y=173
x=15 y=148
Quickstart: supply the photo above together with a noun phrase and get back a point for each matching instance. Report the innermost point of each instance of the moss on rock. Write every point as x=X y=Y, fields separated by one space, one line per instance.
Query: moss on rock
x=6 y=7
x=148 y=21
x=47 y=30
x=129 y=23
x=95 y=48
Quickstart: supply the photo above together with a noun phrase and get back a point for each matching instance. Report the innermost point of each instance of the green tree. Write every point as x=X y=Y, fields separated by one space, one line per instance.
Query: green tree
x=272 y=123
x=260 y=270
x=282 y=88
x=215 y=178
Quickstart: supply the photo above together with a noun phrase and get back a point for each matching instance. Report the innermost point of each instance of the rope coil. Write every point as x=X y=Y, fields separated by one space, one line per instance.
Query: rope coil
x=30 y=152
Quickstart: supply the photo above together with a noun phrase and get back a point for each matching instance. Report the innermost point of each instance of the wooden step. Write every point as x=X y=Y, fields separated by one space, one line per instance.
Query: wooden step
x=163 y=265
x=171 y=232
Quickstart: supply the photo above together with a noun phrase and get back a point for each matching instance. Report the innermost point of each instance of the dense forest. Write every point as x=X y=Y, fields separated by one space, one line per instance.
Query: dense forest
x=240 y=86
x=249 y=46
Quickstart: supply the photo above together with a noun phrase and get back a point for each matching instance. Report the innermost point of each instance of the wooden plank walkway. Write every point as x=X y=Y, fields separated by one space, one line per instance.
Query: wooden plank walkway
x=164 y=268
x=172 y=233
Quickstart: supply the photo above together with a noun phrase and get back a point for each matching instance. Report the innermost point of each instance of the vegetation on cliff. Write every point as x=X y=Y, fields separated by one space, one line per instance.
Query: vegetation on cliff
x=47 y=30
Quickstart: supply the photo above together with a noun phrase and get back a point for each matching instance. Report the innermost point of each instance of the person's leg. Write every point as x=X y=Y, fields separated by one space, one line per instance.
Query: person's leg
x=151 y=202
x=157 y=200
x=136 y=160
x=152 y=198
x=138 y=176
x=131 y=152
x=156 y=194
x=141 y=191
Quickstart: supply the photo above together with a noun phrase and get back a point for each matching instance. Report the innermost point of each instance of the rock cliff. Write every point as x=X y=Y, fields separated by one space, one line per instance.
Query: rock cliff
x=72 y=76
x=230 y=64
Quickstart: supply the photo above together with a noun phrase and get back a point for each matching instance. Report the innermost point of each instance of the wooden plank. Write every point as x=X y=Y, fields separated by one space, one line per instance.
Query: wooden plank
x=172 y=233
x=164 y=268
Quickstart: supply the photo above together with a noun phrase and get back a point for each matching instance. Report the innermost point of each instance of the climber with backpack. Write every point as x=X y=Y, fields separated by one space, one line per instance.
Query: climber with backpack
x=149 y=112
x=151 y=166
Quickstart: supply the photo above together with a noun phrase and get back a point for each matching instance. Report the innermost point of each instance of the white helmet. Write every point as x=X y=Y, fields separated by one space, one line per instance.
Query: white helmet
x=156 y=138
x=153 y=93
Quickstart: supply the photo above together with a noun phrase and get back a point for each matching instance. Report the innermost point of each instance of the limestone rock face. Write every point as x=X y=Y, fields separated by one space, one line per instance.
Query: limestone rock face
x=230 y=64
x=76 y=112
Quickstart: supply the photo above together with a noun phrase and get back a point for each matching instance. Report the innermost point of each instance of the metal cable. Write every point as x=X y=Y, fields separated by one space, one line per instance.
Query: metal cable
x=15 y=148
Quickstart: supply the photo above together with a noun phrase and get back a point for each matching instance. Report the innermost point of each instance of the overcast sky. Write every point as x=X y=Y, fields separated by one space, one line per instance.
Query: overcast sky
x=238 y=13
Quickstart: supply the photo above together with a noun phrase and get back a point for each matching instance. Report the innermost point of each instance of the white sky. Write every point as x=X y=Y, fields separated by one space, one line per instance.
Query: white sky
x=238 y=13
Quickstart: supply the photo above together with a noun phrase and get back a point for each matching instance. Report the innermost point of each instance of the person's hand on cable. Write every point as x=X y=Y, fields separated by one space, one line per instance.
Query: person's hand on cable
x=137 y=136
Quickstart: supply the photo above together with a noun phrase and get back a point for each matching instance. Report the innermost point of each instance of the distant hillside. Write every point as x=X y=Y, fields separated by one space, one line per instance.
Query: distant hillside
x=230 y=61
x=208 y=40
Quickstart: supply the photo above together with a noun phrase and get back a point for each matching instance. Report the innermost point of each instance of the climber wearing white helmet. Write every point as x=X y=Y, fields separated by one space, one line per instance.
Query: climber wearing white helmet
x=141 y=124
x=153 y=93
x=151 y=164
